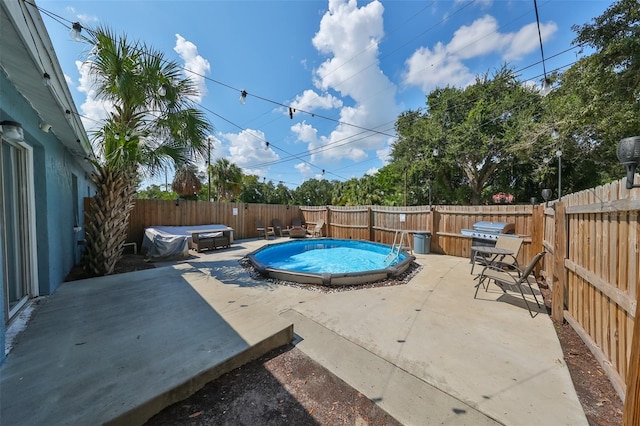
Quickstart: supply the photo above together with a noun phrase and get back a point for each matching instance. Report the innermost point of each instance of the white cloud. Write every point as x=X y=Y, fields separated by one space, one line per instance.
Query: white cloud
x=372 y=171
x=248 y=150
x=84 y=18
x=94 y=110
x=349 y=35
x=305 y=132
x=443 y=64
x=304 y=169
x=479 y=38
x=196 y=67
x=429 y=69
x=526 y=39
x=311 y=101
x=384 y=154
x=217 y=149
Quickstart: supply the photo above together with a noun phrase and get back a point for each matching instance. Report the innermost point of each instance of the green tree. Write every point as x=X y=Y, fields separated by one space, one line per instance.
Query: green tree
x=465 y=136
x=616 y=36
x=185 y=182
x=153 y=123
x=155 y=192
x=226 y=177
x=597 y=102
x=252 y=190
x=313 y=192
x=280 y=194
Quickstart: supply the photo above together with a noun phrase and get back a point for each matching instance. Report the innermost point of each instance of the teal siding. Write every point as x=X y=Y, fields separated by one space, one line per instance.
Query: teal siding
x=54 y=167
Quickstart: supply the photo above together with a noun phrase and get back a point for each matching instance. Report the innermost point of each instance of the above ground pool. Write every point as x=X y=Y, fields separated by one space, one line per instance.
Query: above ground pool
x=330 y=262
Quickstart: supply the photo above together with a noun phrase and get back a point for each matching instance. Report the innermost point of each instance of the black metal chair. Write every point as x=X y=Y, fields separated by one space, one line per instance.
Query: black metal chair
x=511 y=279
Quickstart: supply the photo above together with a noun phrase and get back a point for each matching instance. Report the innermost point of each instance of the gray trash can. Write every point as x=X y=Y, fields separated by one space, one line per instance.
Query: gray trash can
x=422 y=242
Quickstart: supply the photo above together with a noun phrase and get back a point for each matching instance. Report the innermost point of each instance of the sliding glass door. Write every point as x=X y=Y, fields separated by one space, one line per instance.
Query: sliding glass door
x=17 y=227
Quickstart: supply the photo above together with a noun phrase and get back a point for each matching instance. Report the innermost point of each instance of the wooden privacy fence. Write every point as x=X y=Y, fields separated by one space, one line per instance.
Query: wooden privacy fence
x=592 y=239
x=594 y=236
x=239 y=216
x=379 y=224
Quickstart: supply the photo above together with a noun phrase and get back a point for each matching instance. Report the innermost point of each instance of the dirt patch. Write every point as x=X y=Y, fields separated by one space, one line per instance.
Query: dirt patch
x=128 y=263
x=599 y=399
x=284 y=387
x=287 y=387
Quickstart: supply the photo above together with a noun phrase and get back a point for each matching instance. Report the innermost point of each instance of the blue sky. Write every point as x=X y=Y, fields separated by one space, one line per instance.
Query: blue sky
x=347 y=68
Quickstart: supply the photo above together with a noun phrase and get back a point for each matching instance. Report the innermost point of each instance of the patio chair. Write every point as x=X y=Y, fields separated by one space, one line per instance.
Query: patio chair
x=511 y=280
x=296 y=222
x=266 y=231
x=279 y=230
x=317 y=231
x=297 y=232
x=513 y=244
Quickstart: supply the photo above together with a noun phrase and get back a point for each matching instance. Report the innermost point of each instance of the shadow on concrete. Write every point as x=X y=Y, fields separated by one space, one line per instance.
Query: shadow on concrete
x=123 y=347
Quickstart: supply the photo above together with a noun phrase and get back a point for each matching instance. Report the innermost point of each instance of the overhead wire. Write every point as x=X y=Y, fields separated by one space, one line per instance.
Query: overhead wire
x=59 y=19
x=280 y=104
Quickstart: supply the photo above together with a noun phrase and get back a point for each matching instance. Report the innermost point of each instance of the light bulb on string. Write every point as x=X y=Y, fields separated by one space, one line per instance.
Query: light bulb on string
x=162 y=91
x=46 y=79
x=75 y=31
x=546 y=87
x=243 y=97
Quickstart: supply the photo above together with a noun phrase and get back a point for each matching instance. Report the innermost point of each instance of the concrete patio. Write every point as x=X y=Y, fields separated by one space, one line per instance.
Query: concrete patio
x=118 y=349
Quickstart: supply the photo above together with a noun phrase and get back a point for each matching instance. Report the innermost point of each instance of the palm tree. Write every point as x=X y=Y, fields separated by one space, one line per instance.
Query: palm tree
x=185 y=183
x=153 y=124
x=227 y=179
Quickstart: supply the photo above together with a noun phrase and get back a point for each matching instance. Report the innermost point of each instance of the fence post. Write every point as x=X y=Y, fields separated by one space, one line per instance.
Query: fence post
x=537 y=232
x=435 y=242
x=631 y=413
x=327 y=220
x=370 y=223
x=559 y=272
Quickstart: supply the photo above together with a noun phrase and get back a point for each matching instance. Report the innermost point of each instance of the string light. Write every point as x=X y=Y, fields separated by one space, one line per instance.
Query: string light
x=546 y=83
x=243 y=97
x=46 y=79
x=76 y=29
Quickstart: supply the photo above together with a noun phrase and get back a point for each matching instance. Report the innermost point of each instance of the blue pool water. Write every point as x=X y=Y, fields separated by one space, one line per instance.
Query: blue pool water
x=326 y=256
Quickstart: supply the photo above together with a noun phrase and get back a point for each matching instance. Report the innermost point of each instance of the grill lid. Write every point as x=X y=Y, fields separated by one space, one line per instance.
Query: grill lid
x=495 y=227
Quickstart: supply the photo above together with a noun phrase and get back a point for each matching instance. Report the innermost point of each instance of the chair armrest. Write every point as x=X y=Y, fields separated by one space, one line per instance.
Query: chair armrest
x=495 y=272
x=507 y=260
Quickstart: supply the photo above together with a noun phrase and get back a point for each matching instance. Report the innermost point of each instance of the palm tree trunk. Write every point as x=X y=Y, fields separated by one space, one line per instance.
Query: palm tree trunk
x=108 y=219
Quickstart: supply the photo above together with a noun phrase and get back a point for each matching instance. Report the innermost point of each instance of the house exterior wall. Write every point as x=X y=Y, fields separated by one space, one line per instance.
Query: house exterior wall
x=55 y=195
x=2 y=303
